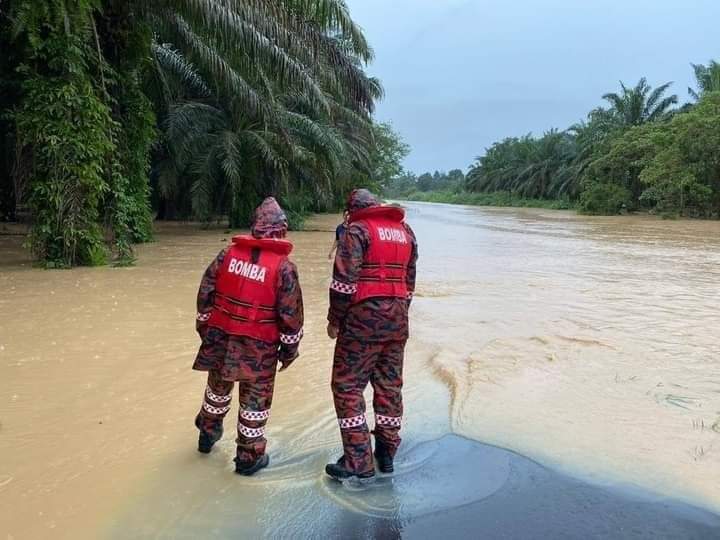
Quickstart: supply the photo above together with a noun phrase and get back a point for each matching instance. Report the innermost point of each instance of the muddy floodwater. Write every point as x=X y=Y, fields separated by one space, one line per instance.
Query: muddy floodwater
x=589 y=345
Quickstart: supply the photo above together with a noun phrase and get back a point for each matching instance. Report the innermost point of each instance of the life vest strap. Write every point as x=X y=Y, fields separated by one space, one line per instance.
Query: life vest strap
x=240 y=318
x=240 y=303
x=392 y=266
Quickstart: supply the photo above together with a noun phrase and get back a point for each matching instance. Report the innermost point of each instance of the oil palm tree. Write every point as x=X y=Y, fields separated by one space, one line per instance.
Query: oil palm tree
x=707 y=77
x=587 y=137
x=640 y=104
x=501 y=164
x=279 y=84
x=235 y=129
x=548 y=156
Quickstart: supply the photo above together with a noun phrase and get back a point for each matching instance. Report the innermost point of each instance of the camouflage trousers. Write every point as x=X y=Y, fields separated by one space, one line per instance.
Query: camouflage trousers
x=255 y=401
x=356 y=364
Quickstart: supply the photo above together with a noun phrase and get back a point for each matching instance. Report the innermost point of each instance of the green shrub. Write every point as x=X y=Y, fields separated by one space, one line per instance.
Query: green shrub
x=604 y=199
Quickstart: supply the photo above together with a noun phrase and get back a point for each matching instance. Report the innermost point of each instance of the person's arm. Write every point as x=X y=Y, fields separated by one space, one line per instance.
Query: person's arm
x=290 y=313
x=412 y=265
x=332 y=249
x=206 y=293
x=346 y=272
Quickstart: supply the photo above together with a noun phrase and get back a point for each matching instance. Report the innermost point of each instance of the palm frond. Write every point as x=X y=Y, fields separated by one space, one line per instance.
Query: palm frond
x=172 y=61
x=263 y=150
x=333 y=16
x=213 y=66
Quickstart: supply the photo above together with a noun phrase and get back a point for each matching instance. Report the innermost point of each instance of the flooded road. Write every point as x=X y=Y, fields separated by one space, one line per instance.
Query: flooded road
x=590 y=345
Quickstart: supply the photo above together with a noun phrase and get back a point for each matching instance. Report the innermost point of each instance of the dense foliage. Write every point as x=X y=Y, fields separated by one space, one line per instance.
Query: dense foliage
x=114 y=110
x=406 y=184
x=671 y=167
x=638 y=152
x=68 y=131
x=564 y=165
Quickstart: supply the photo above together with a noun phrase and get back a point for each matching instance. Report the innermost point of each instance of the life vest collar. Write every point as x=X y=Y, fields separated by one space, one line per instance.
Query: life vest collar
x=275 y=245
x=392 y=213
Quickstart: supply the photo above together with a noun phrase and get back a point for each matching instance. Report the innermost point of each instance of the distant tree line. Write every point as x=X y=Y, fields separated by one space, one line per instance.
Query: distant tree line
x=638 y=152
x=407 y=183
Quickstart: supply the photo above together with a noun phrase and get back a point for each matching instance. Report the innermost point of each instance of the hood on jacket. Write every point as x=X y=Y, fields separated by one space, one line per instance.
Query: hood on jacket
x=360 y=199
x=270 y=220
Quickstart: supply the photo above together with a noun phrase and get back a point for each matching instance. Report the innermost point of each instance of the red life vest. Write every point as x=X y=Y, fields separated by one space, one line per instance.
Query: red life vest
x=246 y=292
x=384 y=268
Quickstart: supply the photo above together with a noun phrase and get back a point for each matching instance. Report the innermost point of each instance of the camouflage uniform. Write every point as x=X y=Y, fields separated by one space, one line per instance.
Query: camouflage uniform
x=370 y=348
x=250 y=362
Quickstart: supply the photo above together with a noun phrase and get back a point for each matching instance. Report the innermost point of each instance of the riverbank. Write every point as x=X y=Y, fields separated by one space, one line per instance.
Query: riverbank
x=498 y=199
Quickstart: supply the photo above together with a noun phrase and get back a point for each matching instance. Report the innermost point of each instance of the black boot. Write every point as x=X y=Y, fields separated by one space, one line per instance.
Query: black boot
x=248 y=468
x=205 y=440
x=383 y=456
x=205 y=443
x=339 y=472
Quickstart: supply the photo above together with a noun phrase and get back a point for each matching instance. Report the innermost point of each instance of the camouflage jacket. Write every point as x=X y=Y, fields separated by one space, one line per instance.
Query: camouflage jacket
x=374 y=319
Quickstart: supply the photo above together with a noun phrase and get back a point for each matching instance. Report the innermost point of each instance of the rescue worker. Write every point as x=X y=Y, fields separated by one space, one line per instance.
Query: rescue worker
x=370 y=294
x=339 y=233
x=250 y=316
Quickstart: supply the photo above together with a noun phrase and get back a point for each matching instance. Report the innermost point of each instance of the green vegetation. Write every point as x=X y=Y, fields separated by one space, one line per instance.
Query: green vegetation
x=118 y=111
x=497 y=198
x=639 y=153
x=405 y=184
x=671 y=167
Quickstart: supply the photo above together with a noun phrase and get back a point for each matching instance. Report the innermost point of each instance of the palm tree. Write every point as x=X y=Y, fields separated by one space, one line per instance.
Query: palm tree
x=526 y=166
x=587 y=137
x=248 y=47
x=641 y=104
x=253 y=97
x=501 y=164
x=707 y=77
x=549 y=155
x=292 y=114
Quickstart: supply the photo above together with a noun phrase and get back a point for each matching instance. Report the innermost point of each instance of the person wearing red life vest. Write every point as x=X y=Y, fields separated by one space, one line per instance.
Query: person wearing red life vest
x=250 y=317
x=370 y=294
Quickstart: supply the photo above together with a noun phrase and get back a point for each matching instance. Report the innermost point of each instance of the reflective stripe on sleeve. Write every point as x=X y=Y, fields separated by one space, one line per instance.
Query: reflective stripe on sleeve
x=291 y=339
x=342 y=288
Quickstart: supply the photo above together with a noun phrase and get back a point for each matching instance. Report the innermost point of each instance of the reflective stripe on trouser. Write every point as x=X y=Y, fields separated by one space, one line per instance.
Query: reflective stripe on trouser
x=255 y=398
x=355 y=365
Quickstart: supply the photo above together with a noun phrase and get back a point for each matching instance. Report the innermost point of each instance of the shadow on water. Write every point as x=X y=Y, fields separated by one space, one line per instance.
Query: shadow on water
x=451 y=488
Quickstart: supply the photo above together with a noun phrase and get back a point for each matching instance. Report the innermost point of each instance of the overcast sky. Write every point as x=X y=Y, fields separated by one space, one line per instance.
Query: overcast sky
x=461 y=74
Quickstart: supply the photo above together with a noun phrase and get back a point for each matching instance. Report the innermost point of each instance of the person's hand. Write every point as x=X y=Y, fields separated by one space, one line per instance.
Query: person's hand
x=332 y=331
x=287 y=357
x=201 y=329
x=284 y=364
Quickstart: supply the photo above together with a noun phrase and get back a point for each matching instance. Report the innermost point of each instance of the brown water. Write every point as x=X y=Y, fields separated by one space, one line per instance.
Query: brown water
x=589 y=344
